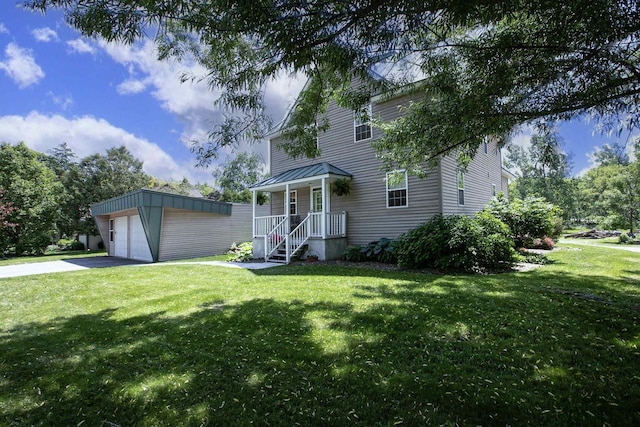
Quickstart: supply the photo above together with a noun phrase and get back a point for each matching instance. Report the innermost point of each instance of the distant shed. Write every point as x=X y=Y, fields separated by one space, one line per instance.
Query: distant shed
x=154 y=226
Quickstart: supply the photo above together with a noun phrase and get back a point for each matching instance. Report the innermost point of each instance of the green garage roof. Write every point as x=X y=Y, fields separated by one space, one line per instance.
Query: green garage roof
x=148 y=198
x=150 y=206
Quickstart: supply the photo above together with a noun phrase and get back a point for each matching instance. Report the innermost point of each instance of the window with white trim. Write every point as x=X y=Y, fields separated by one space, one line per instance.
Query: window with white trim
x=397 y=186
x=460 y=180
x=111 y=230
x=493 y=190
x=362 y=124
x=293 y=202
x=485 y=146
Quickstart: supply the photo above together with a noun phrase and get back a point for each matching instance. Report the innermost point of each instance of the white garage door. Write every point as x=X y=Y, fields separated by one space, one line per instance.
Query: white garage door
x=139 y=246
x=121 y=236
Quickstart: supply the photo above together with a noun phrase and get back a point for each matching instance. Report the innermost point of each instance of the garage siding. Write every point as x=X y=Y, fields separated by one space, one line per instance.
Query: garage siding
x=189 y=234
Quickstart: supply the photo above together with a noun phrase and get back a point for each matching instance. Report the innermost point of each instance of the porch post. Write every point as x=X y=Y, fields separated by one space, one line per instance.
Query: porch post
x=254 y=200
x=287 y=203
x=323 y=220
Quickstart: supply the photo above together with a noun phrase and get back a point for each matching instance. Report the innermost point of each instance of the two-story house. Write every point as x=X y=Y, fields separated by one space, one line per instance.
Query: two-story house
x=305 y=210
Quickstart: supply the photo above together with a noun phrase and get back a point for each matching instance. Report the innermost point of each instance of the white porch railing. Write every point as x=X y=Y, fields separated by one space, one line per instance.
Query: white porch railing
x=263 y=225
x=276 y=232
x=275 y=237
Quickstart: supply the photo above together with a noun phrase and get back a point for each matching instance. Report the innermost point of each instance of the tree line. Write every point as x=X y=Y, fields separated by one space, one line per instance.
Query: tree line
x=45 y=197
x=607 y=196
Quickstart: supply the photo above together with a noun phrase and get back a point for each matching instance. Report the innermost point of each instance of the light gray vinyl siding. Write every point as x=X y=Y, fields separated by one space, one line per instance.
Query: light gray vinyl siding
x=190 y=234
x=368 y=217
x=483 y=171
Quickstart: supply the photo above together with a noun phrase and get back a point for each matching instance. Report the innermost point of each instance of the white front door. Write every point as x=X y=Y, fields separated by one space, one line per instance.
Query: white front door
x=316 y=199
x=121 y=237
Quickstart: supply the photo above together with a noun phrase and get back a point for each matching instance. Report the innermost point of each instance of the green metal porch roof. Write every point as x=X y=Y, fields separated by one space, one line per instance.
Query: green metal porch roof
x=311 y=171
x=148 y=198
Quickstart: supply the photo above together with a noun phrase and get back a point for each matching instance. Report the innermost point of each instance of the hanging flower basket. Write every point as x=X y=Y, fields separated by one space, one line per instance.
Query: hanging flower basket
x=341 y=187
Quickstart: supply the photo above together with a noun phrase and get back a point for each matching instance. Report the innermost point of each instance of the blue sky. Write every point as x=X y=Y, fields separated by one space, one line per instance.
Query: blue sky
x=57 y=86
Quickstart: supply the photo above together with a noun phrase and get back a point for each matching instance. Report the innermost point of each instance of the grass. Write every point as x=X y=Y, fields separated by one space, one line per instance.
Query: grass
x=313 y=344
x=55 y=256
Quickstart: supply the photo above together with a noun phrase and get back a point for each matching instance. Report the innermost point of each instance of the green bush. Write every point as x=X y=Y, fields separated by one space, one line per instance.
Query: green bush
x=529 y=219
x=354 y=254
x=381 y=251
x=625 y=239
x=457 y=243
x=240 y=253
x=68 y=245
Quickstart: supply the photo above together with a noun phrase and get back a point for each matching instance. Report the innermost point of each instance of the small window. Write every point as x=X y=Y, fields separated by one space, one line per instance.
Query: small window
x=111 y=230
x=397 y=189
x=461 y=188
x=493 y=190
x=362 y=124
x=293 y=202
x=485 y=146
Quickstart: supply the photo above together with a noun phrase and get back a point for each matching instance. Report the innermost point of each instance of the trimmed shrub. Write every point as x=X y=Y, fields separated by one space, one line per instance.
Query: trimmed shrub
x=240 y=253
x=529 y=219
x=69 y=245
x=457 y=243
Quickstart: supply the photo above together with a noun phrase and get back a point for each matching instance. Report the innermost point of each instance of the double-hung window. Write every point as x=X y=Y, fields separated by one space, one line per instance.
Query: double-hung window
x=460 y=187
x=293 y=202
x=112 y=230
x=362 y=124
x=397 y=186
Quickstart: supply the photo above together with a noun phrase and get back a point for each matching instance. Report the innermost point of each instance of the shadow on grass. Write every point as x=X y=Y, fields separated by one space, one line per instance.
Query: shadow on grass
x=427 y=350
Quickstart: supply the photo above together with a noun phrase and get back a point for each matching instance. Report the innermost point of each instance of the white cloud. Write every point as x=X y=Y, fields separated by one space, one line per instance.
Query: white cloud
x=20 y=66
x=3 y=29
x=192 y=101
x=64 y=101
x=80 y=46
x=131 y=86
x=88 y=135
x=45 y=34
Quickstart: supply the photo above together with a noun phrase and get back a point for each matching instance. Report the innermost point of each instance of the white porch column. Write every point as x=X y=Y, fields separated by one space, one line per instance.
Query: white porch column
x=254 y=201
x=287 y=202
x=323 y=219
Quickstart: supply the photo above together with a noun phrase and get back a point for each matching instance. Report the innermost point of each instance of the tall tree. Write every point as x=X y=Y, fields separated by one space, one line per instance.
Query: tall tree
x=544 y=170
x=34 y=190
x=237 y=175
x=611 y=154
x=6 y=227
x=64 y=163
x=484 y=66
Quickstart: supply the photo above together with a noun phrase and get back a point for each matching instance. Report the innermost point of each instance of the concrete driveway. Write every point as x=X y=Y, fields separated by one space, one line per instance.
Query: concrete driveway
x=71 y=264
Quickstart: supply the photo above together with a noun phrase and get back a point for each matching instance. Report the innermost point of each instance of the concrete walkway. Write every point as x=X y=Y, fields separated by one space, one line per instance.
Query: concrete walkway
x=583 y=242
x=75 y=264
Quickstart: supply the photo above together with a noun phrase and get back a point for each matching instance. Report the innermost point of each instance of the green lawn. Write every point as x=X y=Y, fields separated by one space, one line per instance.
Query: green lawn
x=311 y=344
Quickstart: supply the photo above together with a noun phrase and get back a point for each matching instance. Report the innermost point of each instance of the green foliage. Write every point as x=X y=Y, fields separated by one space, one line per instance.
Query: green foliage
x=341 y=187
x=33 y=190
x=533 y=258
x=457 y=243
x=69 y=245
x=354 y=253
x=240 y=253
x=626 y=239
x=237 y=175
x=527 y=219
x=485 y=66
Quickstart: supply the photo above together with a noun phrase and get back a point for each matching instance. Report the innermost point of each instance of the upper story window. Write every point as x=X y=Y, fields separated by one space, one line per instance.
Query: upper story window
x=460 y=187
x=485 y=146
x=362 y=124
x=293 y=202
x=397 y=186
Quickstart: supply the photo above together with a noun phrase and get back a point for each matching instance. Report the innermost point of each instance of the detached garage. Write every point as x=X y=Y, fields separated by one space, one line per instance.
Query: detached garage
x=152 y=226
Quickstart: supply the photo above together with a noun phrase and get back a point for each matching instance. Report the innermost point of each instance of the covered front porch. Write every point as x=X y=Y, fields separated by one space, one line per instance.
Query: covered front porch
x=302 y=222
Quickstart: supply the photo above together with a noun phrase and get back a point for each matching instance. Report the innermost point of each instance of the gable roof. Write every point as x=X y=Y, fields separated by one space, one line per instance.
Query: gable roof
x=316 y=171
